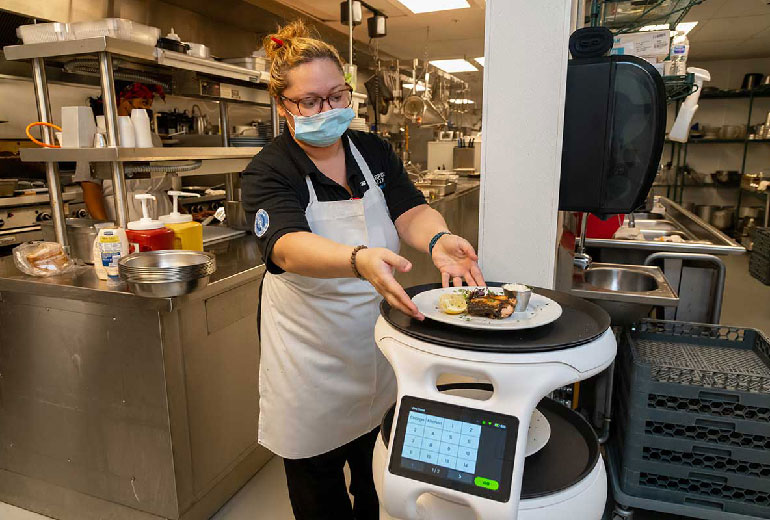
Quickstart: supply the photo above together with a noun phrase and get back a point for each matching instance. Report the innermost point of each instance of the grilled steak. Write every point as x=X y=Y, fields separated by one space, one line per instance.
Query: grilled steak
x=491 y=306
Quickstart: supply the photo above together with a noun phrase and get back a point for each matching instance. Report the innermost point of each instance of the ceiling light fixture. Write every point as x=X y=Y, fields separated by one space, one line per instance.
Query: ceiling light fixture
x=357 y=12
x=429 y=6
x=480 y=61
x=456 y=65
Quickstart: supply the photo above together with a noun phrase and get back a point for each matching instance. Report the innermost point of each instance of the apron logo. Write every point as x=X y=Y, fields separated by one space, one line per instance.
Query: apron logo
x=261 y=223
x=380 y=179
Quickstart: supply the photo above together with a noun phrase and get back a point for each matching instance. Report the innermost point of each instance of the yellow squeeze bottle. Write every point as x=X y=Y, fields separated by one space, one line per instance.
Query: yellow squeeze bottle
x=187 y=234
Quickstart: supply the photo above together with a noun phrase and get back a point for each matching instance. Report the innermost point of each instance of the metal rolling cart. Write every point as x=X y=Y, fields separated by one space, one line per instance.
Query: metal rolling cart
x=211 y=80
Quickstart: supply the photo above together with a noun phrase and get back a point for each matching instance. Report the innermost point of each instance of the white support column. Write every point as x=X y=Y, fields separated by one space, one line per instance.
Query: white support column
x=525 y=74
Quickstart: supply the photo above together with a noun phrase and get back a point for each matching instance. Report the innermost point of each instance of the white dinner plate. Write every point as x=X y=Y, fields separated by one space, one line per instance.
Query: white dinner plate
x=538 y=434
x=540 y=311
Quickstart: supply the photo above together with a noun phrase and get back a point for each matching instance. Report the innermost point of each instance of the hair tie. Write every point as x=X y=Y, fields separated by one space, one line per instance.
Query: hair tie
x=277 y=41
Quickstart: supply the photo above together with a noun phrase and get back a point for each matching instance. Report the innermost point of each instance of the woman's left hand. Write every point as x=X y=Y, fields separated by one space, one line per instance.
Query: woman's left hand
x=456 y=259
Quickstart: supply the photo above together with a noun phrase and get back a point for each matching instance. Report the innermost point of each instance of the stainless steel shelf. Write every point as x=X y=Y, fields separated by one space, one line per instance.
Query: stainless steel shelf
x=136 y=154
x=135 y=51
x=75 y=47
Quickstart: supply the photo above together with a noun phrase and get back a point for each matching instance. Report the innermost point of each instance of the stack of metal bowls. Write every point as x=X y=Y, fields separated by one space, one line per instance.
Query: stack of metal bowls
x=163 y=274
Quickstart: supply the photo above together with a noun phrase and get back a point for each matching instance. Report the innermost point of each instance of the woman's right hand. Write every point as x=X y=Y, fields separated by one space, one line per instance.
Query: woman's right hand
x=376 y=265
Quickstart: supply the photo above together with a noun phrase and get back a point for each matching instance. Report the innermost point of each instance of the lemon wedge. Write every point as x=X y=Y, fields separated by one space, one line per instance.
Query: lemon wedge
x=452 y=303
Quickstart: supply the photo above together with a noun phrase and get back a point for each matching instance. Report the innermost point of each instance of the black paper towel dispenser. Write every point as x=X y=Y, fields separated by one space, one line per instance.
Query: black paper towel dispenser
x=614 y=129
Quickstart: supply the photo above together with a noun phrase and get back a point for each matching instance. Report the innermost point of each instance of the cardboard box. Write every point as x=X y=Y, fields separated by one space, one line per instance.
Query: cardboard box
x=650 y=45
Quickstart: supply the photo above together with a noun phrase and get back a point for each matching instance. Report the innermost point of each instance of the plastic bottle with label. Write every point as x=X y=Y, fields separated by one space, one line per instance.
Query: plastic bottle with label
x=110 y=245
x=187 y=234
x=680 y=48
x=148 y=234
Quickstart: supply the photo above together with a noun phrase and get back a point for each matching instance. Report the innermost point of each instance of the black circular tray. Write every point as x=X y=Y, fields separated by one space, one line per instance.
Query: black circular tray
x=579 y=323
x=569 y=456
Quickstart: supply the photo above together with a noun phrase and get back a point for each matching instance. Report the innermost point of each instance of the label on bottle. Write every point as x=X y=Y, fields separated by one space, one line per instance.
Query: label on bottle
x=679 y=50
x=133 y=247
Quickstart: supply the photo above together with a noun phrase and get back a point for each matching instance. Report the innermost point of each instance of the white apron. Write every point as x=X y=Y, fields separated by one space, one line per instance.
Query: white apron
x=322 y=380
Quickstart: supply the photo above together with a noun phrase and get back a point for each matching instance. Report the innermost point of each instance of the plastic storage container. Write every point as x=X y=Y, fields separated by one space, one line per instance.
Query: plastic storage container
x=692 y=409
x=147 y=234
x=187 y=234
x=119 y=28
x=44 y=32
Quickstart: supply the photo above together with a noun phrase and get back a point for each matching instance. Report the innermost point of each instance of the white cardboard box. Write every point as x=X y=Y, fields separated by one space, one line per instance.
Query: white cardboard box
x=651 y=45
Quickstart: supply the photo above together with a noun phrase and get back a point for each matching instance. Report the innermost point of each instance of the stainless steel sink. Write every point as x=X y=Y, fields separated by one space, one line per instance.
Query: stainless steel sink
x=655 y=224
x=627 y=292
x=652 y=234
x=621 y=280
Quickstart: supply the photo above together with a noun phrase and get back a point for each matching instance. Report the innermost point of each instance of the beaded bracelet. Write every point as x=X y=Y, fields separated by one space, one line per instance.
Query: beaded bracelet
x=434 y=240
x=353 y=261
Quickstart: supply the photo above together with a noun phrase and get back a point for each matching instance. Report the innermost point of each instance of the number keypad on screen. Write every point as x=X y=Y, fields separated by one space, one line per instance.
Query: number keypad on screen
x=441 y=442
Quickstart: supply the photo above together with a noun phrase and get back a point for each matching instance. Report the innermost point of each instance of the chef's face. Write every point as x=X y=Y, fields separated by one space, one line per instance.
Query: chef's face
x=317 y=78
x=126 y=105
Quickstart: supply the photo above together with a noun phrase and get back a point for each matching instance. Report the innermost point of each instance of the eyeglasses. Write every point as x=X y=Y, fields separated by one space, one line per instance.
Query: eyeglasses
x=311 y=105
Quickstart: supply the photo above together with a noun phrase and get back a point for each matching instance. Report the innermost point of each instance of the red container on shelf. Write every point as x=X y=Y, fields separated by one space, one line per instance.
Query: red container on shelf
x=147 y=234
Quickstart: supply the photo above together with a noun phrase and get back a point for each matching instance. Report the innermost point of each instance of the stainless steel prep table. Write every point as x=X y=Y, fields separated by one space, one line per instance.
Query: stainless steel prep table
x=116 y=406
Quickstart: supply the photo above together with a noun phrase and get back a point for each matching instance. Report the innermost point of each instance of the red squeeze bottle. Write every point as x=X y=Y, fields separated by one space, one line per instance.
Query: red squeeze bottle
x=147 y=234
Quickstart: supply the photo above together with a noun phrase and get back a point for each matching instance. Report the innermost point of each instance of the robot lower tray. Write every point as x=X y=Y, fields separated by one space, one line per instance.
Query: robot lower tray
x=580 y=322
x=570 y=455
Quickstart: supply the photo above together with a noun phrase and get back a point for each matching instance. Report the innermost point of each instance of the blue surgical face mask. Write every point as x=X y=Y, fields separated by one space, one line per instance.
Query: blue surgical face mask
x=323 y=129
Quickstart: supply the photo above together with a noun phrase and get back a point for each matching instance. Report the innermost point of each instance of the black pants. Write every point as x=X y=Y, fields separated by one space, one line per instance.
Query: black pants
x=317 y=484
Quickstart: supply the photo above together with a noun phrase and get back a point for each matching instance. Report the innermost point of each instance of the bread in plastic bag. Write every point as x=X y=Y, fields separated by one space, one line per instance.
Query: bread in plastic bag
x=42 y=259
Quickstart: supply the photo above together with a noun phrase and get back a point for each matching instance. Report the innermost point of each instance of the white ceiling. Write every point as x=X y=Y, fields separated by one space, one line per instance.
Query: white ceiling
x=443 y=34
x=730 y=29
x=726 y=29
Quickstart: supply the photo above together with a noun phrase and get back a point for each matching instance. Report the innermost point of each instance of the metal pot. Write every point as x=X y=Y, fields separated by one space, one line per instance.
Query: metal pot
x=722 y=218
x=732 y=132
x=81 y=233
x=749 y=211
x=704 y=212
x=752 y=80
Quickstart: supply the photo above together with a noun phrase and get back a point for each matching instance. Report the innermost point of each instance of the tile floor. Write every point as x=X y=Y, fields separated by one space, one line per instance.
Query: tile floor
x=746 y=303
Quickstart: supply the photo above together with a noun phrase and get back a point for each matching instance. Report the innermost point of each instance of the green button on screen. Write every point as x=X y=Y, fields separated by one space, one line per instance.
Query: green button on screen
x=487 y=483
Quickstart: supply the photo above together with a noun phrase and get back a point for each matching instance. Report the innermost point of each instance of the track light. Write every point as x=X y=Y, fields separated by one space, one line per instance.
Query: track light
x=357 y=12
x=377 y=26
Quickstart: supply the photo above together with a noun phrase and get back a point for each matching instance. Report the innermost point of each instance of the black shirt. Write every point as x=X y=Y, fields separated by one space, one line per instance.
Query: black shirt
x=274 y=186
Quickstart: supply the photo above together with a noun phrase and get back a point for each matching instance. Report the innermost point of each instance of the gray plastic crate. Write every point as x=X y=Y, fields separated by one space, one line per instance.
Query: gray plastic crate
x=693 y=405
x=759 y=266
x=761 y=239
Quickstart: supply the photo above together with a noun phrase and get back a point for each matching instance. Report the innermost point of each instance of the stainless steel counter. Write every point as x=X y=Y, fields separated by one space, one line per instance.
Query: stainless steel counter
x=116 y=406
x=698 y=236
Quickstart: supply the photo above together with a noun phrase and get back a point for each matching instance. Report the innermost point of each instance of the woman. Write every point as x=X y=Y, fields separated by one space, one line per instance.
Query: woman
x=329 y=207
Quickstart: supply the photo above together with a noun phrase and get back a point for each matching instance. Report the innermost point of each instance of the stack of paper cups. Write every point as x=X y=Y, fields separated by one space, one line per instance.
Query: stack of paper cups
x=126 y=132
x=141 y=122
